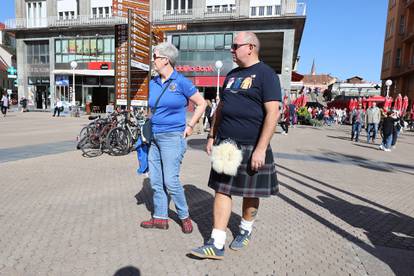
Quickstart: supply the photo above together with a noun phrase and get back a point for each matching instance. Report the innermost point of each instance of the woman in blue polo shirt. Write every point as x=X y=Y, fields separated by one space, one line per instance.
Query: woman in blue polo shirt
x=169 y=132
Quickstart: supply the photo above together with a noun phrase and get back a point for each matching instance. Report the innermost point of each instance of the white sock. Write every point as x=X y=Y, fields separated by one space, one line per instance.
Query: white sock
x=246 y=225
x=219 y=237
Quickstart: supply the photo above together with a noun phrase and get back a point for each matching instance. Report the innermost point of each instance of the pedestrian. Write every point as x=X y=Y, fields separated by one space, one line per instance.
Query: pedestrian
x=58 y=107
x=357 y=119
x=412 y=118
x=387 y=131
x=398 y=125
x=23 y=103
x=284 y=120
x=372 y=120
x=247 y=115
x=169 y=93
x=4 y=103
x=207 y=116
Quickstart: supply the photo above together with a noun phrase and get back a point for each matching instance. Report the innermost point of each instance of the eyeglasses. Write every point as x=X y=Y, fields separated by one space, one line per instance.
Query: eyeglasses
x=154 y=56
x=236 y=46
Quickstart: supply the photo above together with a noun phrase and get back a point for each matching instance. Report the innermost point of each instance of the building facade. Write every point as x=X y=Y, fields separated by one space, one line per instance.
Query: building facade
x=398 y=57
x=50 y=34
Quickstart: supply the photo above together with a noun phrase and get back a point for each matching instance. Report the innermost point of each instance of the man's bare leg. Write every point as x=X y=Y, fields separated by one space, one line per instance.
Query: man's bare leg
x=221 y=212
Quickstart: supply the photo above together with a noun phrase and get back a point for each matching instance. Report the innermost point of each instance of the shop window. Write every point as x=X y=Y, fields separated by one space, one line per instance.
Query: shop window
x=228 y=40
x=176 y=41
x=184 y=42
x=192 y=42
x=37 y=52
x=209 y=42
x=201 y=41
x=219 y=41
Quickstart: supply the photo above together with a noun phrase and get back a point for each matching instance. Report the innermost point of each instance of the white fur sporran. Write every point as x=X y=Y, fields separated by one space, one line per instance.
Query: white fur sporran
x=226 y=157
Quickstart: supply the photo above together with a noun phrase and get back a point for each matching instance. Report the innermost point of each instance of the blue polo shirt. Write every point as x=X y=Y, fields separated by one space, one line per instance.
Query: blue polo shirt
x=170 y=115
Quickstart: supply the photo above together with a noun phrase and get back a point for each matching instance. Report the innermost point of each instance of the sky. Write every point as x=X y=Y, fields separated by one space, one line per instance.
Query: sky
x=345 y=37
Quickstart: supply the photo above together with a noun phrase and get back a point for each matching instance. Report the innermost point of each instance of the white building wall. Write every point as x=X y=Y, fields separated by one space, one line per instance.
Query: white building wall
x=101 y=3
x=67 y=5
x=256 y=3
x=220 y=2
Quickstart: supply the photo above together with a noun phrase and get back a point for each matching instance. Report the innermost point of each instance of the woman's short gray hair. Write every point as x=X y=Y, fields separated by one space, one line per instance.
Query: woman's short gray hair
x=169 y=50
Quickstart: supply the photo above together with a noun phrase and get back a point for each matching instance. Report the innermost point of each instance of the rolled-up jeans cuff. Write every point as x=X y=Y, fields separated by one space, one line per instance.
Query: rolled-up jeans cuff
x=159 y=217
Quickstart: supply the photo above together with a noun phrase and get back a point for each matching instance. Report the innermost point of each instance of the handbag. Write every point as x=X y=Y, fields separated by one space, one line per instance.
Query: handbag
x=146 y=128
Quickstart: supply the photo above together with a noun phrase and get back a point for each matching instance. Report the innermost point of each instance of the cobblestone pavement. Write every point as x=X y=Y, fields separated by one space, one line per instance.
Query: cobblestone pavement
x=344 y=208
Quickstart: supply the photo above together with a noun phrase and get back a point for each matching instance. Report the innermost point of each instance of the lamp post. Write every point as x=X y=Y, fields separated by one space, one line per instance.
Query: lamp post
x=73 y=65
x=219 y=65
x=388 y=83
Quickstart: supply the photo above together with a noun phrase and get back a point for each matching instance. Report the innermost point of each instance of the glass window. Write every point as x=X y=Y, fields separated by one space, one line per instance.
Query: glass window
x=253 y=11
x=99 y=46
x=64 y=46
x=192 y=42
x=58 y=46
x=107 y=11
x=183 y=4
x=175 y=4
x=107 y=45
x=86 y=47
x=94 y=12
x=183 y=42
x=219 y=41
x=209 y=9
x=261 y=11
x=228 y=40
x=72 y=46
x=100 y=11
x=190 y=4
x=210 y=42
x=201 y=41
x=216 y=8
x=93 y=46
x=176 y=41
x=65 y=58
x=58 y=58
x=113 y=45
x=269 y=10
x=168 y=5
x=79 y=46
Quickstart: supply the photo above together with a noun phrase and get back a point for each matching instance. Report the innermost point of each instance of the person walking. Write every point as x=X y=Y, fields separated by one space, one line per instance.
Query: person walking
x=169 y=93
x=387 y=131
x=373 y=118
x=23 y=103
x=284 y=121
x=247 y=114
x=4 y=103
x=357 y=118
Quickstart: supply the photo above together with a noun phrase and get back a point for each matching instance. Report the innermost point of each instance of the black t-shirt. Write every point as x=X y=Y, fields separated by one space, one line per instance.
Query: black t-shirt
x=245 y=91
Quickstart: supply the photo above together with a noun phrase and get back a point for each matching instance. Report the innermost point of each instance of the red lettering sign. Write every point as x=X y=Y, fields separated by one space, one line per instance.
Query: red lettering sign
x=198 y=68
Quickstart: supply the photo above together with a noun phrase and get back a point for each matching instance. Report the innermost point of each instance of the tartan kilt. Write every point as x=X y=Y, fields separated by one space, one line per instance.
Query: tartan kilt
x=248 y=183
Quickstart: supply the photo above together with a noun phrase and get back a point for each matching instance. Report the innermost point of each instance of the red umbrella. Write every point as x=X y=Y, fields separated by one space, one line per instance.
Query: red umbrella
x=364 y=102
x=404 y=104
x=387 y=104
x=398 y=103
x=304 y=100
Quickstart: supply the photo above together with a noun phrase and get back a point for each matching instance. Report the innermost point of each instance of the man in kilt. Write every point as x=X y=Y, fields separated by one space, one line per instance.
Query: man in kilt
x=247 y=114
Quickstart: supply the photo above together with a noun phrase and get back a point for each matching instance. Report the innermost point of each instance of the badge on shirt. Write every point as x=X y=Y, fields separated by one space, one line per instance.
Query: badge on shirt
x=172 y=87
x=229 y=83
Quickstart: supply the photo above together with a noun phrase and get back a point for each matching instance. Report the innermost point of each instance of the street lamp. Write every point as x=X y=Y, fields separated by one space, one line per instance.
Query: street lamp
x=219 y=65
x=388 y=83
x=73 y=65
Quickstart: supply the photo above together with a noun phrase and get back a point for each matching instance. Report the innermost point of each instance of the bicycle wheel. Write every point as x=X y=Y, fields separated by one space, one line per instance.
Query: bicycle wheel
x=90 y=148
x=117 y=141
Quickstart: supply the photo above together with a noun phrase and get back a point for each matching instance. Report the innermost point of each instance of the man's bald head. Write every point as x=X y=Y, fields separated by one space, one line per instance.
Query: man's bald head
x=251 y=38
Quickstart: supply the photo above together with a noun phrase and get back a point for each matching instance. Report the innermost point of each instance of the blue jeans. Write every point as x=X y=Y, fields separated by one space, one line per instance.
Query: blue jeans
x=356 y=129
x=386 y=141
x=373 y=127
x=164 y=160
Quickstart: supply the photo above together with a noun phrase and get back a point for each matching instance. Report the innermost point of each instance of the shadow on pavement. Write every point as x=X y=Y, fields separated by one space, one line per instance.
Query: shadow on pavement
x=128 y=271
x=200 y=205
x=386 y=231
x=198 y=144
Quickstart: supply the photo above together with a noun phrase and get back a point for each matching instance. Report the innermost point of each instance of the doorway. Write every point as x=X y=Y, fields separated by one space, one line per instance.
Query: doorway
x=41 y=97
x=99 y=99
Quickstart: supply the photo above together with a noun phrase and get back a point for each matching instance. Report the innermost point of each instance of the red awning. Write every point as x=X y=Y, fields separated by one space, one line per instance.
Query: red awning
x=207 y=81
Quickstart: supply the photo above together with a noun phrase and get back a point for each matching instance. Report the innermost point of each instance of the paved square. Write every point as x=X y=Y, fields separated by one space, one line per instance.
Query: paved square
x=344 y=208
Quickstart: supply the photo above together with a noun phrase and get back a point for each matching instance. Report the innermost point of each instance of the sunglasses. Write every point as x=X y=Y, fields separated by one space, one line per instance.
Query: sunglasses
x=154 y=56
x=236 y=46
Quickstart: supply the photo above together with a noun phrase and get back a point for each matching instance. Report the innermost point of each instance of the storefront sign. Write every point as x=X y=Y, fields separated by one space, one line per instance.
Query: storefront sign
x=97 y=65
x=62 y=80
x=189 y=68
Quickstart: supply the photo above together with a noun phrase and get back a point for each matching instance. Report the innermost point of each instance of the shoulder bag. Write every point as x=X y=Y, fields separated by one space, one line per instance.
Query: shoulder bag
x=146 y=129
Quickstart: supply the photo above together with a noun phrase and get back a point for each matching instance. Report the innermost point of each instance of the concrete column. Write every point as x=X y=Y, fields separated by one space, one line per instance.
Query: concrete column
x=287 y=60
x=51 y=69
x=21 y=69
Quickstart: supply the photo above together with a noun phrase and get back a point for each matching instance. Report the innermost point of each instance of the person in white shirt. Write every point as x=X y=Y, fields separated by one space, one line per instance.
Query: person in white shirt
x=4 y=103
x=58 y=107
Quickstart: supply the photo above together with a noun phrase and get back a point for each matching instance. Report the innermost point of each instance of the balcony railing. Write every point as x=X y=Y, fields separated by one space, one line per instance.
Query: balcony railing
x=175 y=16
x=55 y=21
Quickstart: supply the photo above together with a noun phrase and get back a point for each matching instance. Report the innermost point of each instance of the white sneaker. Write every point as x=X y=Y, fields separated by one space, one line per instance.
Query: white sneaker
x=387 y=150
x=283 y=133
x=381 y=147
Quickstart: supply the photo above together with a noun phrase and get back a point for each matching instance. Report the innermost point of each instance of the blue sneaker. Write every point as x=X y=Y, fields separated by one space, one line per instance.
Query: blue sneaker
x=241 y=240
x=208 y=251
